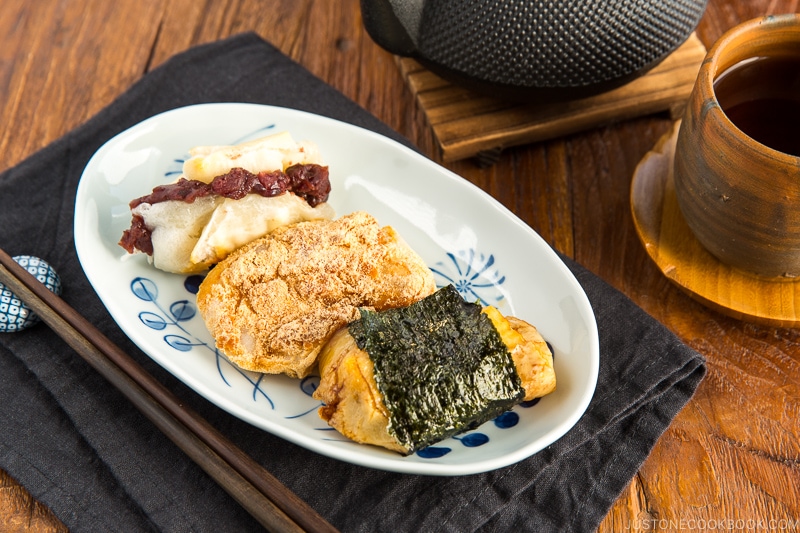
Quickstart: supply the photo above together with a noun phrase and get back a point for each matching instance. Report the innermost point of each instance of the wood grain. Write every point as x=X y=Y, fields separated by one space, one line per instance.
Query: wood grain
x=20 y=513
x=732 y=454
x=466 y=124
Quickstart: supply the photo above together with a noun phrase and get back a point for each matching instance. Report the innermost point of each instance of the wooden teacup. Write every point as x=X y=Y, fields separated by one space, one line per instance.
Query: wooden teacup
x=741 y=197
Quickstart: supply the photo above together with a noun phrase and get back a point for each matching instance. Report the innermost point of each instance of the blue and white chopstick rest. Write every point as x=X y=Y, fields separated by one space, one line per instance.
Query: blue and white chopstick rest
x=15 y=315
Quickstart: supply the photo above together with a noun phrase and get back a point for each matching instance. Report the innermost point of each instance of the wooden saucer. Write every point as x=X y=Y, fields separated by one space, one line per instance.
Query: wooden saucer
x=680 y=256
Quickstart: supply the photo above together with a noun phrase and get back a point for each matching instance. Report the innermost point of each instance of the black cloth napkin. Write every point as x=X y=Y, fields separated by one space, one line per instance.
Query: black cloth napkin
x=80 y=448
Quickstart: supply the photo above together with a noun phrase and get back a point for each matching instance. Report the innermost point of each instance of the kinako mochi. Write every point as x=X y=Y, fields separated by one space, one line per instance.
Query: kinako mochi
x=272 y=304
x=408 y=377
x=290 y=289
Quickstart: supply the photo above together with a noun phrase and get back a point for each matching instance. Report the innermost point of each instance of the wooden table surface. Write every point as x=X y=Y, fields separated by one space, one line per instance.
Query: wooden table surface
x=731 y=458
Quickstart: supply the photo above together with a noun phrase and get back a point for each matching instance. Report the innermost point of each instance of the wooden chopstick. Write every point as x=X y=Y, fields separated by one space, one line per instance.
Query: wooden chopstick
x=256 y=490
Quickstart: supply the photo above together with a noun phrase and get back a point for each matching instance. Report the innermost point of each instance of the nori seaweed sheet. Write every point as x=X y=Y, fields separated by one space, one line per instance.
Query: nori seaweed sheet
x=440 y=365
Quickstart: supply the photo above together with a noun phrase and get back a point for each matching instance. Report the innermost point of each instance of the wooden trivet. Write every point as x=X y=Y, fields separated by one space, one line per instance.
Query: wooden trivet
x=466 y=124
x=671 y=244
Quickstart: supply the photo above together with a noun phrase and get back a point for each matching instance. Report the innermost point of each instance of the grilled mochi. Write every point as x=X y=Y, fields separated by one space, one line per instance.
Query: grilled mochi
x=272 y=304
x=226 y=197
x=406 y=378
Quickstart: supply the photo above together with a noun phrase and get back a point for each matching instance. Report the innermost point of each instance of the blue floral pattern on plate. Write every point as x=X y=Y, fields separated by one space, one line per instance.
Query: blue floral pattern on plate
x=474 y=275
x=447 y=220
x=171 y=317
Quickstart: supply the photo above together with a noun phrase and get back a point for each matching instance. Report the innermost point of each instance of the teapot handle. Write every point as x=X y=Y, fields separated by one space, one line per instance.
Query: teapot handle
x=384 y=26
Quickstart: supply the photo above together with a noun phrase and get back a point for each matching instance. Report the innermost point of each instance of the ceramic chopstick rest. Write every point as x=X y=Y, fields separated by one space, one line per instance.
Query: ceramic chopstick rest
x=15 y=315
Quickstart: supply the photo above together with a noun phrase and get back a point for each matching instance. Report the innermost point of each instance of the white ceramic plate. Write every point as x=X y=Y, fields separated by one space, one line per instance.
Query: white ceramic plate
x=466 y=237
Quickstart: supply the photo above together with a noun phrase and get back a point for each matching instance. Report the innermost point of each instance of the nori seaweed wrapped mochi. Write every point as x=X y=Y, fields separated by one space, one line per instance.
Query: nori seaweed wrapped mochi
x=440 y=365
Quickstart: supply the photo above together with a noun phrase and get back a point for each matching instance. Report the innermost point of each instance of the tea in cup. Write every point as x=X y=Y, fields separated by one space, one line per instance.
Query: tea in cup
x=737 y=158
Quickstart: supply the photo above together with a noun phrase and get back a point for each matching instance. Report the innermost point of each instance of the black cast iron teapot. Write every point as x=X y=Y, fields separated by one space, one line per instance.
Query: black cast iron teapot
x=533 y=50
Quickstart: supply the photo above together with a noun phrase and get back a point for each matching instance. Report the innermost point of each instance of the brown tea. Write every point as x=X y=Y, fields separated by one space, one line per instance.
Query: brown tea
x=761 y=96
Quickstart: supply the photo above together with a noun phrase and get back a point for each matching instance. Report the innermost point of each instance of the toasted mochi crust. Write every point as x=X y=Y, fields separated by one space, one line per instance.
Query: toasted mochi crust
x=273 y=152
x=175 y=229
x=189 y=238
x=272 y=304
x=533 y=360
x=237 y=222
x=353 y=404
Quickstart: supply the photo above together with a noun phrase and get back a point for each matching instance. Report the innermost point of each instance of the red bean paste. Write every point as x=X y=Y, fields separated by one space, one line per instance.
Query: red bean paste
x=309 y=182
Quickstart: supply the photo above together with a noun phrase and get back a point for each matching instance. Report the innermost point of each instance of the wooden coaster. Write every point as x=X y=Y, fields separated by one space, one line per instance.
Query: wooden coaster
x=671 y=244
x=466 y=124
